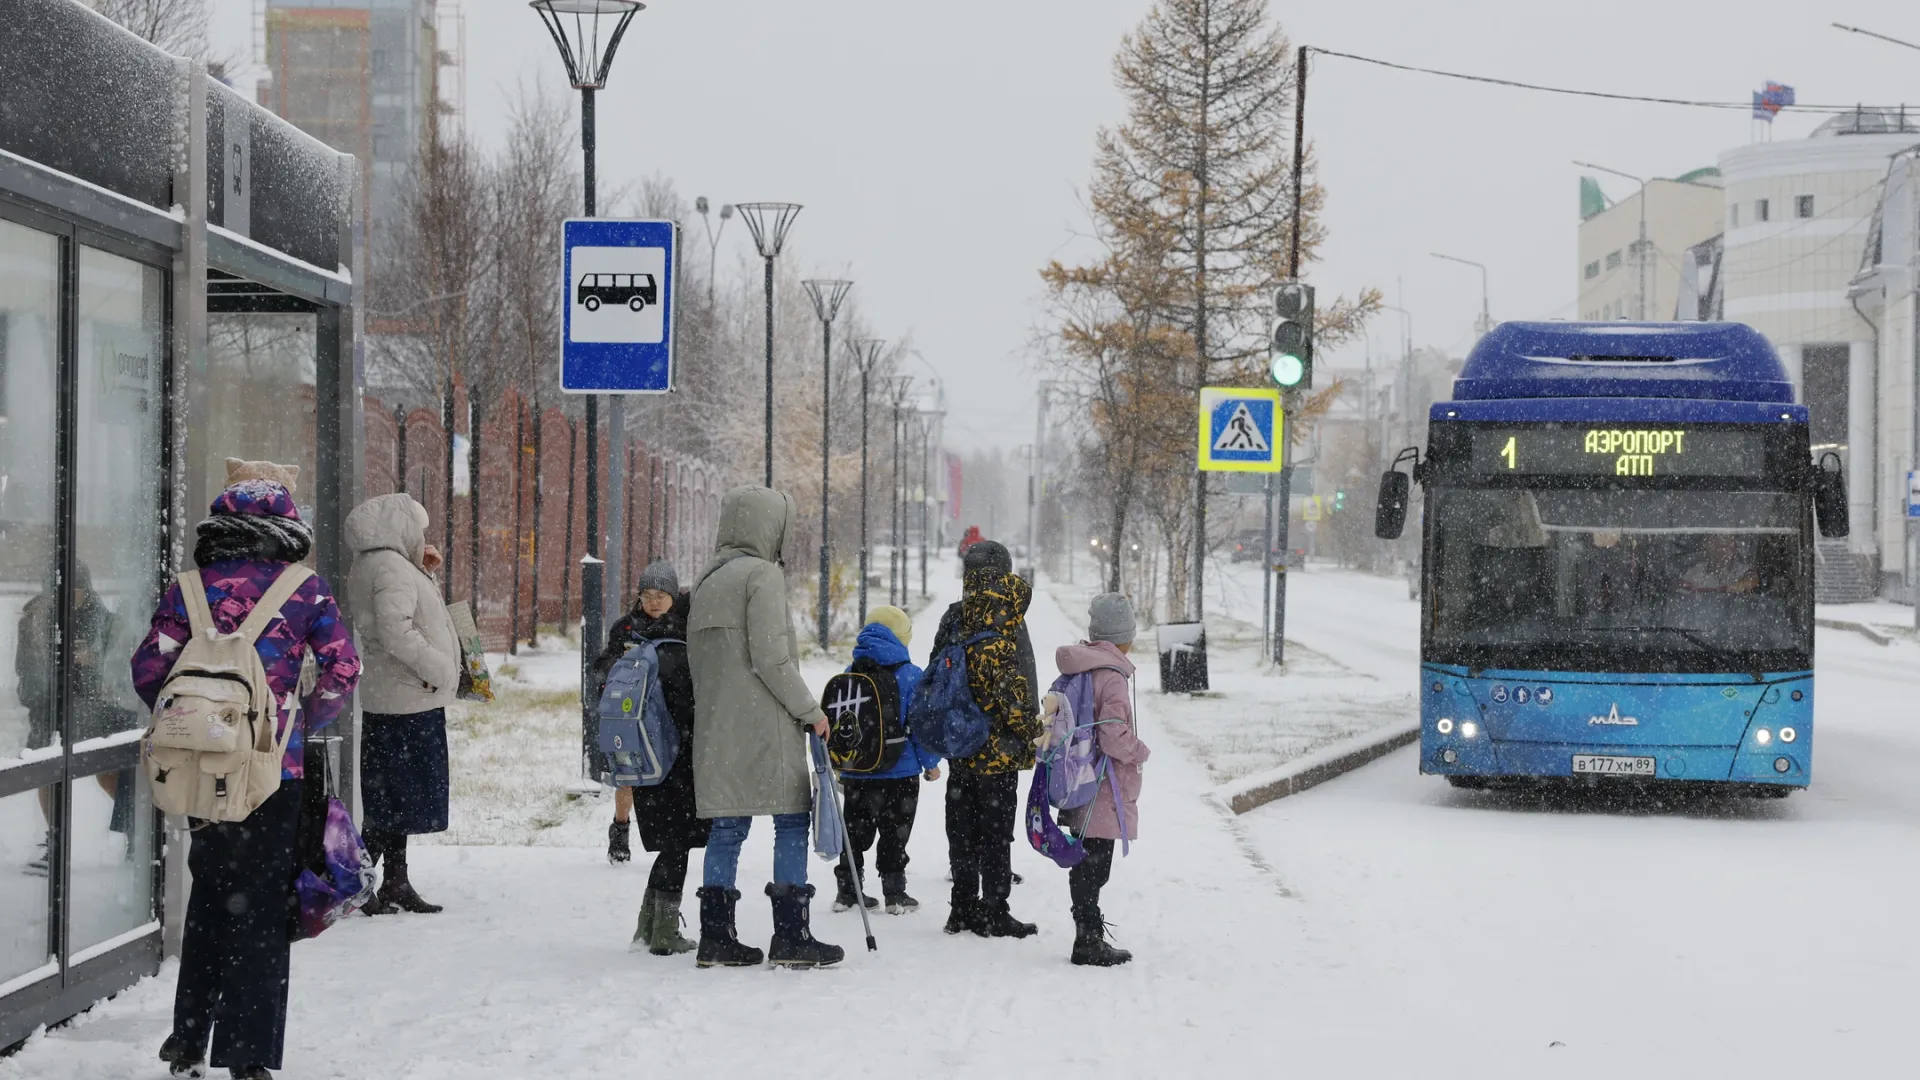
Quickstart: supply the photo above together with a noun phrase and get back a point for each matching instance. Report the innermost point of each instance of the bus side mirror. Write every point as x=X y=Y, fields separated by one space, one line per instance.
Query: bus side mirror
x=1830 y=497
x=1390 y=514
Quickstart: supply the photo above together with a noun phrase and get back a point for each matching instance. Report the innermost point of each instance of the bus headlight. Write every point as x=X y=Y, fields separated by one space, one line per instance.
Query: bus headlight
x=1762 y=736
x=1444 y=727
x=1469 y=729
x=1787 y=734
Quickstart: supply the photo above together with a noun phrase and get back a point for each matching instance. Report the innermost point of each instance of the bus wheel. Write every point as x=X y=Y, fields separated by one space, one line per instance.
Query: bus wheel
x=591 y=303
x=637 y=304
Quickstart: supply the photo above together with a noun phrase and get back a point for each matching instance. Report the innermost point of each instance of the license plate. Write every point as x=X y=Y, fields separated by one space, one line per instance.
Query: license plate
x=1603 y=765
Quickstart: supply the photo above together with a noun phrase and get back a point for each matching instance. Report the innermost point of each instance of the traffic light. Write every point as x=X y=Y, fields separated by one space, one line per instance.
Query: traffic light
x=1290 y=346
x=1339 y=501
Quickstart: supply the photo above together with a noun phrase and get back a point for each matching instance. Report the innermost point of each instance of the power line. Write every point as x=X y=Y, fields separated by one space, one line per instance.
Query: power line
x=1569 y=92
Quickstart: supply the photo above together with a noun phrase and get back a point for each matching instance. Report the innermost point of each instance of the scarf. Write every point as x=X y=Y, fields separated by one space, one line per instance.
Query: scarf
x=251 y=536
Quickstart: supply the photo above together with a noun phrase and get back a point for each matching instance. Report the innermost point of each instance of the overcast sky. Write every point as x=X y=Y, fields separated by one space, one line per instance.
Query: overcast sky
x=941 y=149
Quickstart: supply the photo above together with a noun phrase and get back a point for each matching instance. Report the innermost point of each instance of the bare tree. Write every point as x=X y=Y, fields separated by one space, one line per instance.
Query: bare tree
x=178 y=26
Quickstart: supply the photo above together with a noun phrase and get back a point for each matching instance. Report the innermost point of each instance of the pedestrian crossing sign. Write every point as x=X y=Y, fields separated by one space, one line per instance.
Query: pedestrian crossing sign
x=1241 y=430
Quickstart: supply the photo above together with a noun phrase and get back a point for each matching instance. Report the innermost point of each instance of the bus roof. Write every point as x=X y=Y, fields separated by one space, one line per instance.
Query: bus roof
x=1700 y=361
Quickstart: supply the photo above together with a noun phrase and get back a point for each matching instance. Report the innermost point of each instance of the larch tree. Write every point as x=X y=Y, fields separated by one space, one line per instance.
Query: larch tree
x=1202 y=168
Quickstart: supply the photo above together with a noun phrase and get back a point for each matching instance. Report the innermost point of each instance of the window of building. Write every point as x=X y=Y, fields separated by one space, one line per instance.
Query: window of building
x=1803 y=206
x=1733 y=216
x=1613 y=260
x=1761 y=211
x=1593 y=269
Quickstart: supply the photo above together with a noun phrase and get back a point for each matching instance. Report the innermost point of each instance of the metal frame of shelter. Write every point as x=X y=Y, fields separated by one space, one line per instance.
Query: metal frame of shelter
x=254 y=217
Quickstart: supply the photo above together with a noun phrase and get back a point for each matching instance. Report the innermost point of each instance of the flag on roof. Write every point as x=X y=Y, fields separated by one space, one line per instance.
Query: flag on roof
x=1770 y=99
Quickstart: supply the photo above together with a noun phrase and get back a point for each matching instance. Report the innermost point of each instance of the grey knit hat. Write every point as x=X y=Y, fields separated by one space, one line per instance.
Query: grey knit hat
x=659 y=575
x=1110 y=618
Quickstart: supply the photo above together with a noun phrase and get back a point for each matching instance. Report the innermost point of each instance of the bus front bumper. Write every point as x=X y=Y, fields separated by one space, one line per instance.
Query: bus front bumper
x=1457 y=753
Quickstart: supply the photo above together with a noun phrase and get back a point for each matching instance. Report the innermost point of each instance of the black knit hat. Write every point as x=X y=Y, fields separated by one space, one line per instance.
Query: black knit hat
x=989 y=555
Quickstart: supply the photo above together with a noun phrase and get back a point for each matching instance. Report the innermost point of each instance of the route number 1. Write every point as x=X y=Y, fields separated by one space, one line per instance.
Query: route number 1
x=1507 y=451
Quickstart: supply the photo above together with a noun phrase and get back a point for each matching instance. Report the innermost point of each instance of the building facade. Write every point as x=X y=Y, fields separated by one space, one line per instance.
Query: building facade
x=1614 y=271
x=1883 y=289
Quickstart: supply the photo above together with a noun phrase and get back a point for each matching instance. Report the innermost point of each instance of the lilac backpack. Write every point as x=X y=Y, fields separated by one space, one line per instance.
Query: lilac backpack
x=1076 y=765
x=1045 y=836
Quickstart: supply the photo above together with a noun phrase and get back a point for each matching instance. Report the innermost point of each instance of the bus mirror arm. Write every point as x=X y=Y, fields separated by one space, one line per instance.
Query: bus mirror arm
x=1830 y=497
x=1396 y=493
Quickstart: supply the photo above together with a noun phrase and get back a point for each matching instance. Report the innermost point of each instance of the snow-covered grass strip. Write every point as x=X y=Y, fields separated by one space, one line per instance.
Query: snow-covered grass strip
x=1315 y=768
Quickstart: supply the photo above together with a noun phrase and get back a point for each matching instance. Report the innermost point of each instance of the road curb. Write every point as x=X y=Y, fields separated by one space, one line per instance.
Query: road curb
x=1862 y=629
x=1314 y=769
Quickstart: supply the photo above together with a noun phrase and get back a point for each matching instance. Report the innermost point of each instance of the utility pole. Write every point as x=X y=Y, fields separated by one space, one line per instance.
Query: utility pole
x=1290 y=402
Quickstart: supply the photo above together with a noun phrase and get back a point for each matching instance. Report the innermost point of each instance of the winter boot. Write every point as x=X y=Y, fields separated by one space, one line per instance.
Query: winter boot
x=183 y=1058
x=994 y=920
x=1090 y=946
x=618 y=850
x=719 y=945
x=665 y=937
x=396 y=892
x=894 y=888
x=643 y=930
x=250 y=1072
x=793 y=944
x=960 y=916
x=844 y=898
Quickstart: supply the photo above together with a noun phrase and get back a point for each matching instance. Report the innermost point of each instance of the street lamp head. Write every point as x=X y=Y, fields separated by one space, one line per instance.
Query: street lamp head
x=769 y=222
x=726 y=211
x=587 y=32
x=866 y=353
x=700 y=206
x=826 y=294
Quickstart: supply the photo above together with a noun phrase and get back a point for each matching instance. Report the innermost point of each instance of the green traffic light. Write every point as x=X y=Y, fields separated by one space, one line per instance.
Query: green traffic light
x=1288 y=369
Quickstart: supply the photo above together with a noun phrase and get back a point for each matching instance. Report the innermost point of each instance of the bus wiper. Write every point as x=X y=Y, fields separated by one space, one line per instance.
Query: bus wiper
x=1692 y=635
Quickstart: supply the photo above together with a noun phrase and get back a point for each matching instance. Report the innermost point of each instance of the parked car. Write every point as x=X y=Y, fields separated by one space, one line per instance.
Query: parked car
x=1246 y=545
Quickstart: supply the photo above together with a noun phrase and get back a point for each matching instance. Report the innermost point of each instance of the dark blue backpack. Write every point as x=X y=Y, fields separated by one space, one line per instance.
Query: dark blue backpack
x=636 y=731
x=944 y=719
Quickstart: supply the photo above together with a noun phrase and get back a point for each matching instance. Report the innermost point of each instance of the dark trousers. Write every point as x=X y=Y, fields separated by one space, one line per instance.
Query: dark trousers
x=233 y=961
x=981 y=810
x=385 y=846
x=669 y=873
x=881 y=810
x=1086 y=879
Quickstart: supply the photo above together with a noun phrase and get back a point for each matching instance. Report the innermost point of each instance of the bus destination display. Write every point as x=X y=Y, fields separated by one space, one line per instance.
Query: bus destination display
x=1619 y=451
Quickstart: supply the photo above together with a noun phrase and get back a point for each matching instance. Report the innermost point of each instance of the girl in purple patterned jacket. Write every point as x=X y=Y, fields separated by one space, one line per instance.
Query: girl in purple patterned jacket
x=234 y=959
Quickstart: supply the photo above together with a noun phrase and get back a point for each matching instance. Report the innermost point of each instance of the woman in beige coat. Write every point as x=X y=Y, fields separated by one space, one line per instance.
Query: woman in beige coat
x=411 y=659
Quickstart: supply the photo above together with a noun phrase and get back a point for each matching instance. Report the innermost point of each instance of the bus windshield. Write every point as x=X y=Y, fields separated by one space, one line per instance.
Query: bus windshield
x=1619 y=579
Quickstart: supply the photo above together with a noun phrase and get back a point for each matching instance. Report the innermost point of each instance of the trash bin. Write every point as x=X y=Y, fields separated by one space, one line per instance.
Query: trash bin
x=1183 y=657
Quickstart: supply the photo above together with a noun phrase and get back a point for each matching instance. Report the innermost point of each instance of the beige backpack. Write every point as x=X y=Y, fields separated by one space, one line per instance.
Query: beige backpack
x=212 y=752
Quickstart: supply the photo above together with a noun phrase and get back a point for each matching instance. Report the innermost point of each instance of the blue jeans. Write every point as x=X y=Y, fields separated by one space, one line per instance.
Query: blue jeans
x=722 y=864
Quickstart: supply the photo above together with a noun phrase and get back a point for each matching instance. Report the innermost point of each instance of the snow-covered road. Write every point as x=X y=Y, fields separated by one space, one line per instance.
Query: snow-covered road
x=1379 y=925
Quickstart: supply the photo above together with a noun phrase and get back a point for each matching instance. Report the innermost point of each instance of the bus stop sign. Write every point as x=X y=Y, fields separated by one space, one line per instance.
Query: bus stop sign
x=617 y=305
x=1241 y=430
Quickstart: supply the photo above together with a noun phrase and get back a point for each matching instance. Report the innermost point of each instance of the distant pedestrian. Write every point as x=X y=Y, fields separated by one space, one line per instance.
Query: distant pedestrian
x=669 y=824
x=234 y=956
x=1110 y=630
x=752 y=713
x=412 y=656
x=882 y=806
x=982 y=793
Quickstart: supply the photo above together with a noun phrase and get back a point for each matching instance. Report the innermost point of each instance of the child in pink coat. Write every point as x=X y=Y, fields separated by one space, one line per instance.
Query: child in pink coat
x=1110 y=630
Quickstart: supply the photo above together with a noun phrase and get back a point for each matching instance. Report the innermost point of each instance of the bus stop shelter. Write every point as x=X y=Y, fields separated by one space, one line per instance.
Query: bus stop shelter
x=177 y=271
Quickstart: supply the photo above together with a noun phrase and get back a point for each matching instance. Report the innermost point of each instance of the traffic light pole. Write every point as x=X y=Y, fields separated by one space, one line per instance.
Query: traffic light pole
x=1289 y=401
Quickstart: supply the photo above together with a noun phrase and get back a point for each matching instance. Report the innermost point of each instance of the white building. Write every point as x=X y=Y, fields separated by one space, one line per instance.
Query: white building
x=1680 y=213
x=1883 y=290
x=1799 y=214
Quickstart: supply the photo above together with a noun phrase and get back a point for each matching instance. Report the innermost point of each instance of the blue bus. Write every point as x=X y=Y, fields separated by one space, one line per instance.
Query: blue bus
x=1617 y=568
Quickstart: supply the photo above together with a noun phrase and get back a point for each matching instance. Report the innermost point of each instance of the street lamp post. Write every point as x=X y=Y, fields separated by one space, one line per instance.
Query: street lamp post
x=826 y=295
x=575 y=26
x=713 y=238
x=769 y=222
x=1486 y=320
x=896 y=577
x=1640 y=253
x=866 y=354
x=927 y=422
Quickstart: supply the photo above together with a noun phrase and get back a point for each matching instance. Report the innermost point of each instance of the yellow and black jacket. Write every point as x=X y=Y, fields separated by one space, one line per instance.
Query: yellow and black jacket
x=997 y=601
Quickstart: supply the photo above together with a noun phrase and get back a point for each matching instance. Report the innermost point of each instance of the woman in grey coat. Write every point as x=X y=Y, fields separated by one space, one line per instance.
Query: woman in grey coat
x=411 y=671
x=752 y=712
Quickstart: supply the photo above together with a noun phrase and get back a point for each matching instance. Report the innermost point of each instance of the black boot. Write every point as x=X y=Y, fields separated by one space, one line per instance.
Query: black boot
x=396 y=891
x=183 y=1058
x=960 y=915
x=250 y=1072
x=894 y=888
x=618 y=850
x=1090 y=946
x=844 y=897
x=793 y=944
x=719 y=945
x=994 y=920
